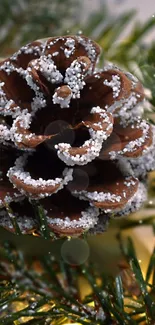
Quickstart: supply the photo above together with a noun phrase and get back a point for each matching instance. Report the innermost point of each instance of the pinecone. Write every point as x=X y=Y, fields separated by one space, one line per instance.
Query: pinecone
x=72 y=137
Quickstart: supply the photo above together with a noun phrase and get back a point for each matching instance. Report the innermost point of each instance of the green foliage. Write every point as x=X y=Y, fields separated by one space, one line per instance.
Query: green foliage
x=121 y=44
x=23 y=21
x=39 y=292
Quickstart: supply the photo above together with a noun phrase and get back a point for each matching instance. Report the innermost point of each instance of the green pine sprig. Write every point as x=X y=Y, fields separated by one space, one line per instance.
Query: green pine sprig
x=110 y=301
x=22 y=21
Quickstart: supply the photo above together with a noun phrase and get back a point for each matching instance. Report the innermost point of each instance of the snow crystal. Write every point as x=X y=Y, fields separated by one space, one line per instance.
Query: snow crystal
x=89 y=47
x=4 y=133
x=28 y=49
x=25 y=223
x=92 y=146
x=19 y=173
x=63 y=102
x=48 y=69
x=141 y=165
x=115 y=84
x=101 y=226
x=7 y=106
x=136 y=201
x=11 y=197
x=74 y=77
x=24 y=121
x=70 y=47
x=97 y=196
x=133 y=144
x=38 y=101
x=88 y=219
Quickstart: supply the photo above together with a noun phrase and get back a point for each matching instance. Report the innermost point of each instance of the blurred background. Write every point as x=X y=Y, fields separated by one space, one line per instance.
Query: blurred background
x=144 y=8
x=24 y=20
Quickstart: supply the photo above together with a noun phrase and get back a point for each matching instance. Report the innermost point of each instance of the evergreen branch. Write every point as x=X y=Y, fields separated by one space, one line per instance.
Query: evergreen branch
x=41 y=288
x=150 y=313
x=140 y=30
x=113 y=30
x=13 y=220
x=43 y=222
x=119 y=291
x=151 y=266
x=23 y=21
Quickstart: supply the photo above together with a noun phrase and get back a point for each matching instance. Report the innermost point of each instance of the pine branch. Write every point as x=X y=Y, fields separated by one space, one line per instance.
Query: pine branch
x=47 y=296
x=107 y=30
x=24 y=21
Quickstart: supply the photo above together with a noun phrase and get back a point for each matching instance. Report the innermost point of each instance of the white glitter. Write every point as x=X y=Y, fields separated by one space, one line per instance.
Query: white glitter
x=88 y=219
x=4 y=133
x=28 y=49
x=145 y=163
x=127 y=109
x=47 y=68
x=89 y=47
x=115 y=84
x=97 y=196
x=7 y=105
x=92 y=146
x=132 y=145
x=63 y=102
x=136 y=201
x=70 y=47
x=74 y=78
x=25 y=223
x=11 y=197
x=25 y=177
x=21 y=124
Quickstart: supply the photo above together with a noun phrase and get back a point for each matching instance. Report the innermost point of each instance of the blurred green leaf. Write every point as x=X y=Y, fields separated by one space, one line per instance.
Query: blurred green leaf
x=119 y=291
x=113 y=30
x=151 y=266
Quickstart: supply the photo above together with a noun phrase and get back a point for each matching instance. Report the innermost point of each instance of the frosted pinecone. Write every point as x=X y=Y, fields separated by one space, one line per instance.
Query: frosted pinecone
x=71 y=137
